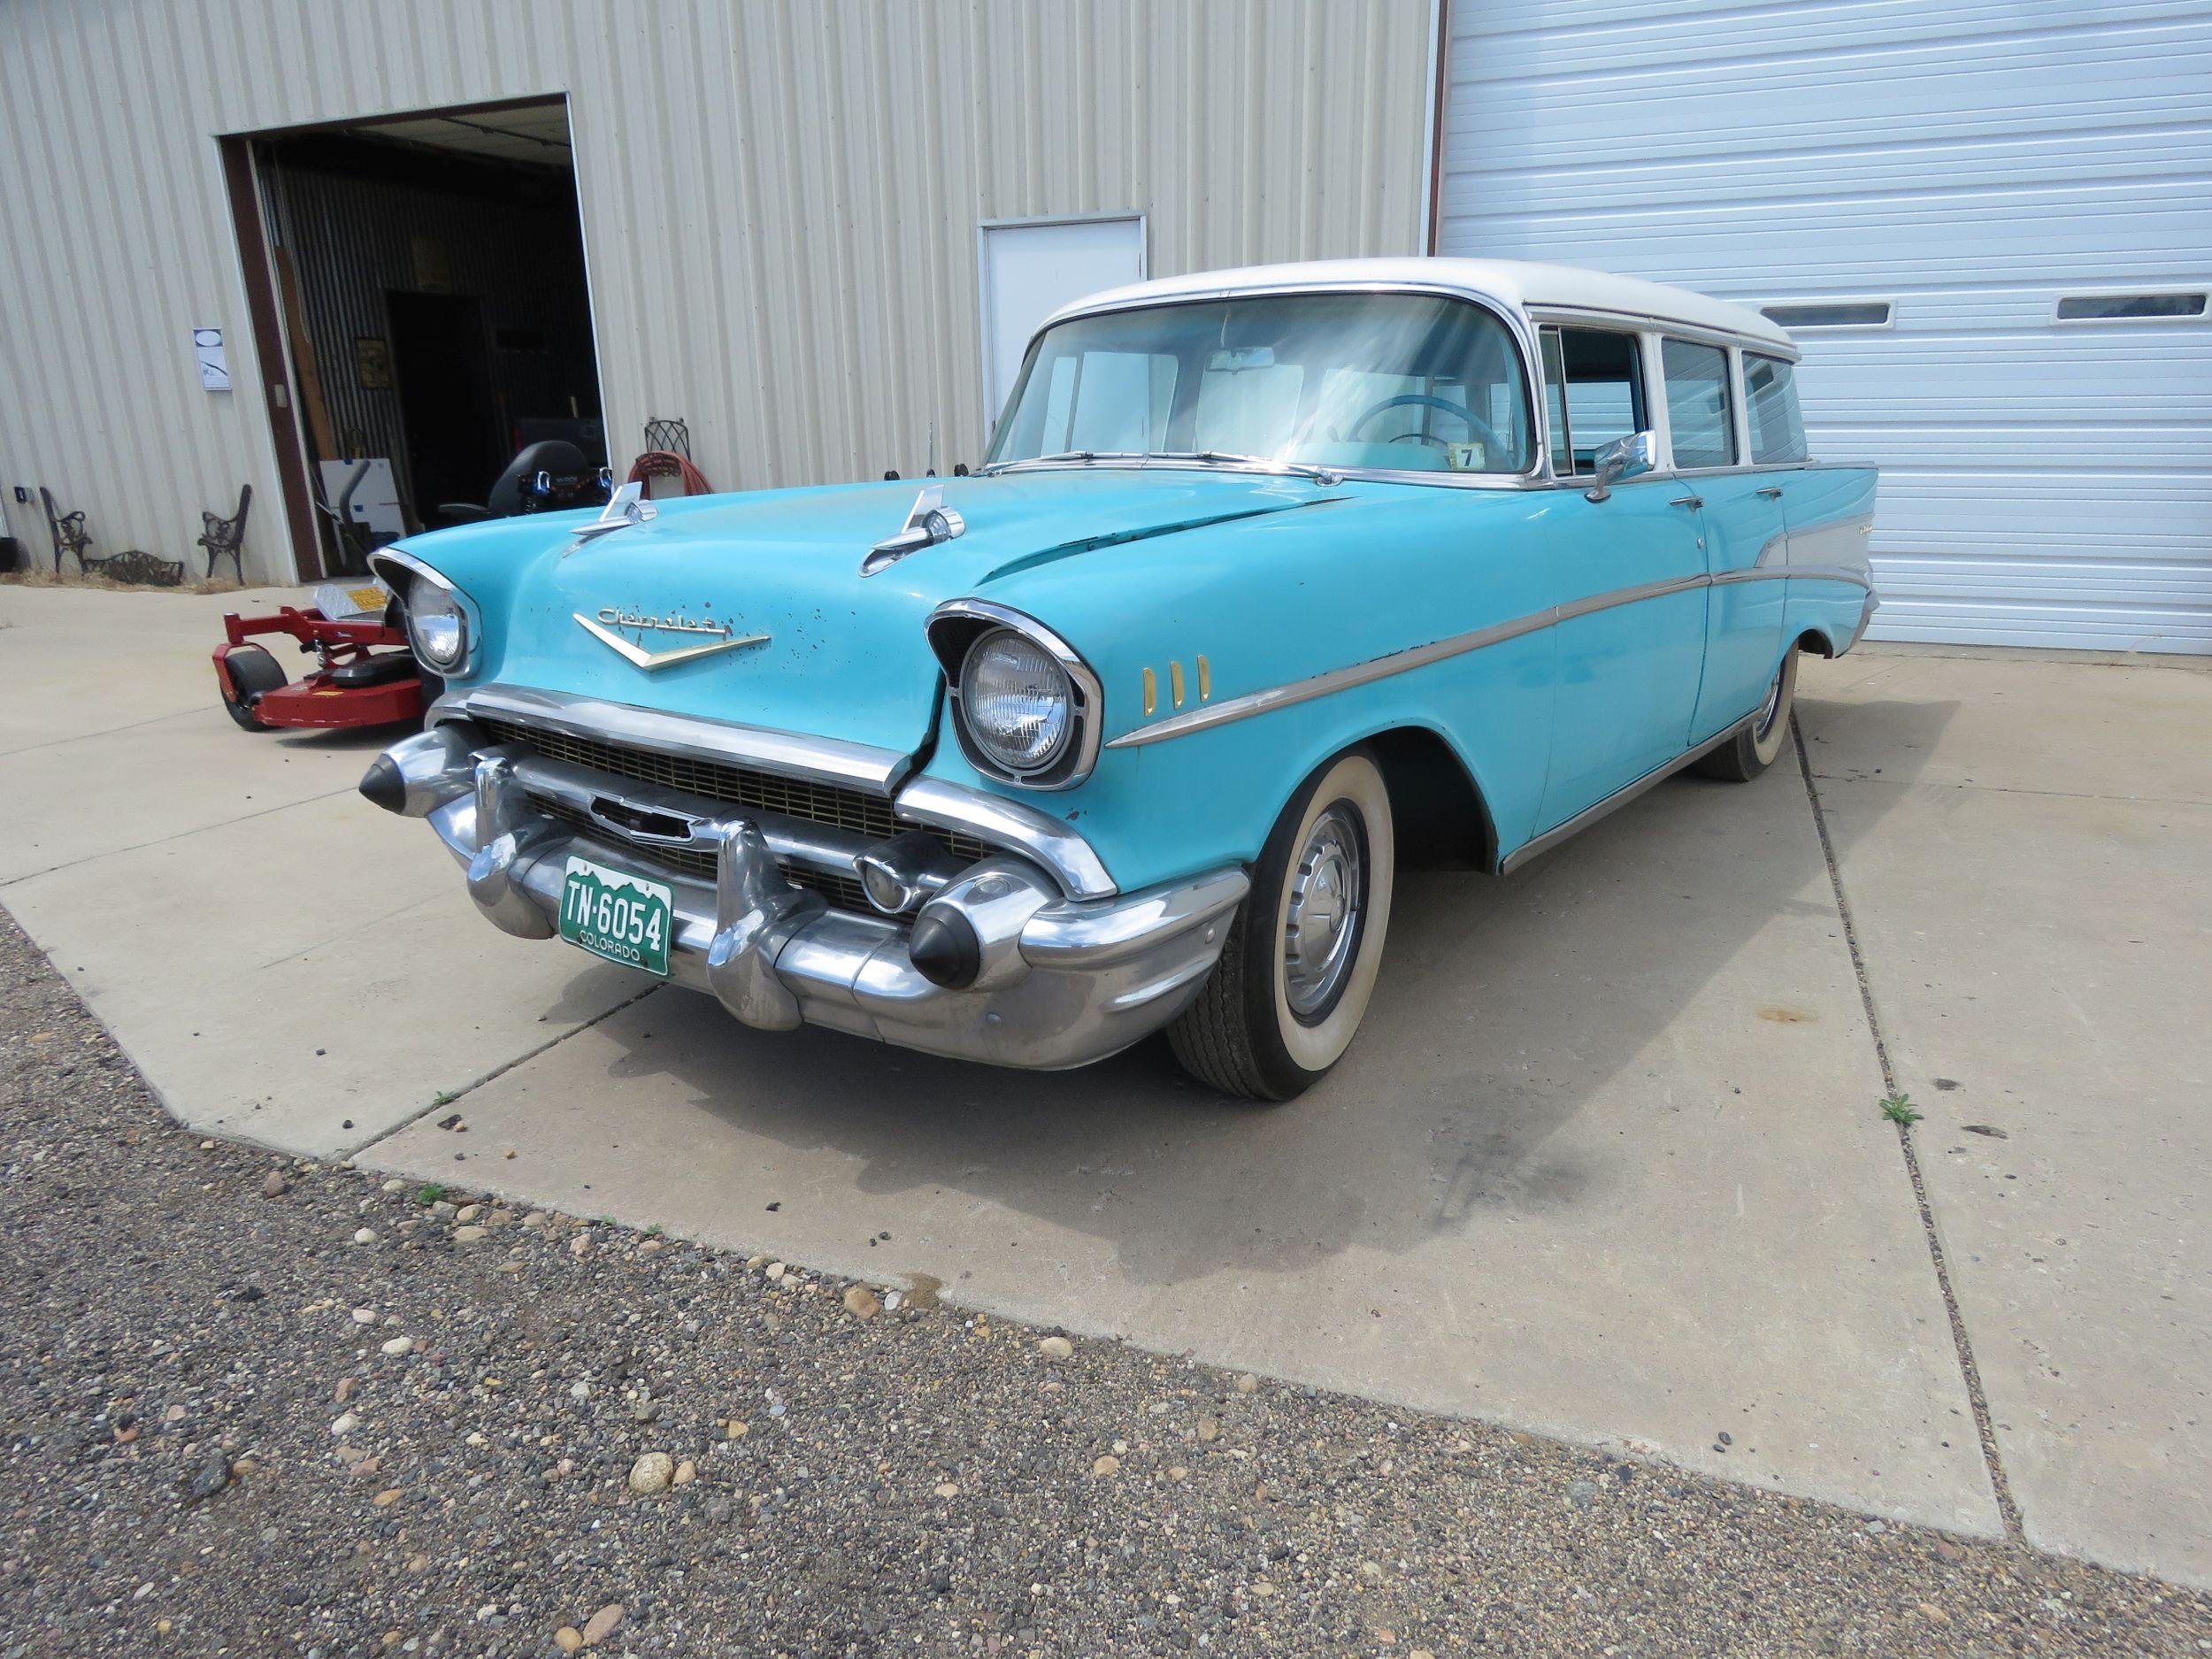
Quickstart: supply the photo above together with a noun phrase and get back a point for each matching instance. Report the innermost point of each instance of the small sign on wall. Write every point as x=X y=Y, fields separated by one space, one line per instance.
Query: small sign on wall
x=207 y=351
x=433 y=274
x=373 y=363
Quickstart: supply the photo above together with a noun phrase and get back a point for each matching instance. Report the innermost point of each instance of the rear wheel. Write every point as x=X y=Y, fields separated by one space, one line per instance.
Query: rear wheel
x=1295 y=974
x=1755 y=748
x=253 y=672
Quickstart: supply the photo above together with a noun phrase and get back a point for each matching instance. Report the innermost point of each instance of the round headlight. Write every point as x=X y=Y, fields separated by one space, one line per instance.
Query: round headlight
x=435 y=626
x=1020 y=708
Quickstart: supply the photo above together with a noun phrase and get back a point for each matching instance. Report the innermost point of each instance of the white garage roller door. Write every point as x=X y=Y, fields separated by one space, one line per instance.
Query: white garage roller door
x=1979 y=182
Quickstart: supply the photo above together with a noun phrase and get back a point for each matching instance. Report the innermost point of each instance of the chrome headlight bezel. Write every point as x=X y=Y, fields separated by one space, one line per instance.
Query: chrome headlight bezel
x=956 y=629
x=996 y=656
x=437 y=627
x=409 y=577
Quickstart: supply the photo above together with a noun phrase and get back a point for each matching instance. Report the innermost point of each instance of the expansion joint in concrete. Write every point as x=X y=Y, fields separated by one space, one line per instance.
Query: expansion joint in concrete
x=466 y=1089
x=1985 y=1426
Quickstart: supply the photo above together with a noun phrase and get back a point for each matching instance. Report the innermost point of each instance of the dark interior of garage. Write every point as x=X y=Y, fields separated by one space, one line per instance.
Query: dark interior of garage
x=431 y=289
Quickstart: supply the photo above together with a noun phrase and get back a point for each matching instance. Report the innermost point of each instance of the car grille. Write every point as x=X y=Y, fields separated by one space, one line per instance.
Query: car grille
x=844 y=892
x=852 y=810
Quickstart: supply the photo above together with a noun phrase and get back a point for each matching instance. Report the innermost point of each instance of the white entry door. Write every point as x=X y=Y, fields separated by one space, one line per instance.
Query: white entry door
x=1031 y=270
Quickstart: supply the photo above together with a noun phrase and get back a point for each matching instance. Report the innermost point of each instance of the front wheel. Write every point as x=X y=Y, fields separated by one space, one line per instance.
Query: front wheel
x=1284 y=1003
x=1755 y=748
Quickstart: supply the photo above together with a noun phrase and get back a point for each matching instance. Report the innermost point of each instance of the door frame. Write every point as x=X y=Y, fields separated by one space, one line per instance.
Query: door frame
x=273 y=353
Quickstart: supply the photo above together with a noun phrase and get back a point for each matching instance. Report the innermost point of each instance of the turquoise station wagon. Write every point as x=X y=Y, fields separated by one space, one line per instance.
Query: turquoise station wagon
x=1274 y=580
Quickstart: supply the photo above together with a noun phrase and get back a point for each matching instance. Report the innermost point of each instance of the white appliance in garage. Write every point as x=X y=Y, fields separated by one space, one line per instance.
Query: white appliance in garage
x=375 y=498
x=1989 y=227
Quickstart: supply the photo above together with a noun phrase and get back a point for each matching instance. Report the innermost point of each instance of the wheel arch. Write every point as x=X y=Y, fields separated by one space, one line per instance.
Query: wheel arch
x=1439 y=811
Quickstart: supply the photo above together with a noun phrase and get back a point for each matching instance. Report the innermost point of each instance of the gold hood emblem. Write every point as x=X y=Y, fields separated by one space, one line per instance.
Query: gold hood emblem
x=602 y=629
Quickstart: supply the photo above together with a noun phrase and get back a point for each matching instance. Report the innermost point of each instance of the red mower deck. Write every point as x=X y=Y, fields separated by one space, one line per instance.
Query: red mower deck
x=354 y=684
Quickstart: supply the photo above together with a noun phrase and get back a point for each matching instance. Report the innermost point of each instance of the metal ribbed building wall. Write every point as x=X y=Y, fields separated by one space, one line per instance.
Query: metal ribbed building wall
x=1965 y=168
x=779 y=202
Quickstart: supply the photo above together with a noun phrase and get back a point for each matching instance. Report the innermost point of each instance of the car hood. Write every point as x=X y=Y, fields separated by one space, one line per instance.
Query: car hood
x=841 y=654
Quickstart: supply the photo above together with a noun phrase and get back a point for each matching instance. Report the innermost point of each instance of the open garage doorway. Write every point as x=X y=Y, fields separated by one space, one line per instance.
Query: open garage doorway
x=420 y=279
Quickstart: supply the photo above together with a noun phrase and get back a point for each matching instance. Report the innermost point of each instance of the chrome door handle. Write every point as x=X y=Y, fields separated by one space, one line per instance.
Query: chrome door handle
x=1687 y=501
x=1773 y=492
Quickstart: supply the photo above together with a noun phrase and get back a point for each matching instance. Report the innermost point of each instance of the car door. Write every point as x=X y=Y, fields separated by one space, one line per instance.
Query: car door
x=1630 y=576
x=1740 y=520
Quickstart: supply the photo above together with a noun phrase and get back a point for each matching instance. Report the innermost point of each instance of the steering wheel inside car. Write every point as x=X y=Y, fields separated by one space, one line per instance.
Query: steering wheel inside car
x=1476 y=426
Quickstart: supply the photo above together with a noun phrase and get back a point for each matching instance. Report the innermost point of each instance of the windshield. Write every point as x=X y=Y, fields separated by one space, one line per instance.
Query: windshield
x=1402 y=383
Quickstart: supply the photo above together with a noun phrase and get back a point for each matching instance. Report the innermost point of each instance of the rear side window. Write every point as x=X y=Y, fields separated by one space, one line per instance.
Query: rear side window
x=1698 y=405
x=1778 y=430
x=1594 y=387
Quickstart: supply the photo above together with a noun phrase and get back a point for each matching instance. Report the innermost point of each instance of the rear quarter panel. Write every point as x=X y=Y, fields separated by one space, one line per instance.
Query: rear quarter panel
x=1831 y=513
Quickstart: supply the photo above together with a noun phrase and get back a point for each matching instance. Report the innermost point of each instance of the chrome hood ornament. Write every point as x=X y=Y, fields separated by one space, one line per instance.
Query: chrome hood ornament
x=625 y=507
x=609 y=617
x=930 y=522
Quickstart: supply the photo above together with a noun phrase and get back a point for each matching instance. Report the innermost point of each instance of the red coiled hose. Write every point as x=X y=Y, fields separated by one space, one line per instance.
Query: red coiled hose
x=667 y=464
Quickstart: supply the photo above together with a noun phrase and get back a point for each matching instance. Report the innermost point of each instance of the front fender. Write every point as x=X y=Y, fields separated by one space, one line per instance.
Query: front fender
x=1274 y=603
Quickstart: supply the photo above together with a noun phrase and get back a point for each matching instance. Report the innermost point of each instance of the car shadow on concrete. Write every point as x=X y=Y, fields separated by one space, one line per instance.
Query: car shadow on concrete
x=365 y=739
x=1505 y=1008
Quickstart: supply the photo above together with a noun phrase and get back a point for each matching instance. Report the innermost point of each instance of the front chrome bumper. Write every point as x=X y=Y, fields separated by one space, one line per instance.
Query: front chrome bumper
x=1060 y=982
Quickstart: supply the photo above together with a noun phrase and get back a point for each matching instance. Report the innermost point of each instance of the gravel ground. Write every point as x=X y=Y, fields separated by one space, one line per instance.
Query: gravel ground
x=250 y=1405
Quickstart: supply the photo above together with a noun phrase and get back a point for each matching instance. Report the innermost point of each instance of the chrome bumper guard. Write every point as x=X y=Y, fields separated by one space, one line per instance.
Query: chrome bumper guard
x=1059 y=982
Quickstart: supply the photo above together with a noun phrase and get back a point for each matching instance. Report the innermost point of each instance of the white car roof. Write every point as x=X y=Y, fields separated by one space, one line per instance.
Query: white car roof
x=1518 y=283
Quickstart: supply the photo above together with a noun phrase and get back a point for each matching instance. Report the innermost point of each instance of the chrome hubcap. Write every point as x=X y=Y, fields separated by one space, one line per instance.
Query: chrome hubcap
x=1772 y=706
x=1321 y=926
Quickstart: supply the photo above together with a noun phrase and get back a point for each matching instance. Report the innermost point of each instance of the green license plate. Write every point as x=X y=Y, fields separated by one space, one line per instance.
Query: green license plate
x=623 y=917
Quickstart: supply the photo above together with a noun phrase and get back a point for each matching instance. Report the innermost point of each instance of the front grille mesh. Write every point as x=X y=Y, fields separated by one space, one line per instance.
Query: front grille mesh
x=844 y=892
x=852 y=810
x=865 y=814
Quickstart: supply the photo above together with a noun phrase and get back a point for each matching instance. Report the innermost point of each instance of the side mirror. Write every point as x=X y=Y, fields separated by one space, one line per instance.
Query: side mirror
x=1631 y=456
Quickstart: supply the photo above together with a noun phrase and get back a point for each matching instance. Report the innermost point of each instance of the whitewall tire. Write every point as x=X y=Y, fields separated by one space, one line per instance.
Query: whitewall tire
x=1299 y=966
x=1759 y=744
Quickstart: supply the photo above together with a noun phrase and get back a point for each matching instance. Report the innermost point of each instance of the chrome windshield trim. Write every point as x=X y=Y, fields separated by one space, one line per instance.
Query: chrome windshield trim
x=1341 y=474
x=1336 y=680
x=1517 y=324
x=820 y=759
x=1326 y=476
x=1004 y=823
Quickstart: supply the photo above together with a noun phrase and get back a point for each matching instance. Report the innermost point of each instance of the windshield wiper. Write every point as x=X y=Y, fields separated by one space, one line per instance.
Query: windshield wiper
x=1222 y=458
x=1064 y=457
x=1204 y=458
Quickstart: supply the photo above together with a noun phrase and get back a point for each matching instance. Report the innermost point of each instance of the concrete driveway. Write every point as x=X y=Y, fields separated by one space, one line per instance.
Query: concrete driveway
x=1607 y=1162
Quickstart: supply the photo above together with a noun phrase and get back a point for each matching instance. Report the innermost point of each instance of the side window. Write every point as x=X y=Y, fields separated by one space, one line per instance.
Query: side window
x=1778 y=430
x=1698 y=405
x=1594 y=385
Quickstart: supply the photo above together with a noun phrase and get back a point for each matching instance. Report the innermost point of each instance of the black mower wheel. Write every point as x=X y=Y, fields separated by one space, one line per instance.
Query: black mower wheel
x=252 y=672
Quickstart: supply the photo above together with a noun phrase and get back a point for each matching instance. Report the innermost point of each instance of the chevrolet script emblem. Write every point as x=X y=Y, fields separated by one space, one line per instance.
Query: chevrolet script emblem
x=602 y=629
